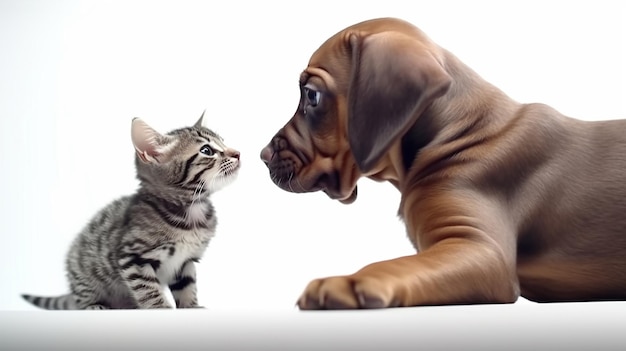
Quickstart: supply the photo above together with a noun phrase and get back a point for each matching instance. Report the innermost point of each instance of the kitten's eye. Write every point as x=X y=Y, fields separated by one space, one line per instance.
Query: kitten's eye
x=206 y=149
x=312 y=96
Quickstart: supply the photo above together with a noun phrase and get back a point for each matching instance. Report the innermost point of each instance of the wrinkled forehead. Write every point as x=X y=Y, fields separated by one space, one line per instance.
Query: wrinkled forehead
x=333 y=59
x=335 y=48
x=331 y=62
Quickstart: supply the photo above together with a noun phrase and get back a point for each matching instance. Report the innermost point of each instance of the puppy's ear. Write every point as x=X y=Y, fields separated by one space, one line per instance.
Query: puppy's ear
x=394 y=79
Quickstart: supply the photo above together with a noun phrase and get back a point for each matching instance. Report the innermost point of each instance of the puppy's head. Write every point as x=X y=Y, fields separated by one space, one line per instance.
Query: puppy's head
x=361 y=91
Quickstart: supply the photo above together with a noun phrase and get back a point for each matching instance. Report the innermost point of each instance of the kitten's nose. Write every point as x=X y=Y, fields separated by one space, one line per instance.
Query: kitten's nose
x=266 y=154
x=233 y=153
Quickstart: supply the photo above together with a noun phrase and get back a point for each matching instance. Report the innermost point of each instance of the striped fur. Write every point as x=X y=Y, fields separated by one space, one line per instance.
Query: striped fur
x=139 y=244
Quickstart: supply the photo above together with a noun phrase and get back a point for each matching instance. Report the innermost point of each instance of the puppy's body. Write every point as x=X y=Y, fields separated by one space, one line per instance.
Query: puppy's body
x=499 y=198
x=546 y=188
x=556 y=187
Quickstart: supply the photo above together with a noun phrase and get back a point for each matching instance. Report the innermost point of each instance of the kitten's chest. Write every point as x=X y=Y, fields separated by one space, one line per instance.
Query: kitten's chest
x=172 y=255
x=200 y=213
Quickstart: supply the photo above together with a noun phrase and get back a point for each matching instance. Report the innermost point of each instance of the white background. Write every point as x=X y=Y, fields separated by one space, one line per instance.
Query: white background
x=73 y=75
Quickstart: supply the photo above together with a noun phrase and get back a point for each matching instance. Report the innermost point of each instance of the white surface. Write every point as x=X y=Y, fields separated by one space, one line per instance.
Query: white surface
x=577 y=326
x=73 y=74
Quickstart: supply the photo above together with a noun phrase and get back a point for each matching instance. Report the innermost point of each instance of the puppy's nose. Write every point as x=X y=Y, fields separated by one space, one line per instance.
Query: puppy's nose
x=266 y=154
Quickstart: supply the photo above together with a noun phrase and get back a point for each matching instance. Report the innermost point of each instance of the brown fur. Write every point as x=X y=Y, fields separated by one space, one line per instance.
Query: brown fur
x=499 y=198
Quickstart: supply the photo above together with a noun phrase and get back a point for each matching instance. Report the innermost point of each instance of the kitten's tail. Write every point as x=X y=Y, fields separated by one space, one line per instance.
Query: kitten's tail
x=63 y=302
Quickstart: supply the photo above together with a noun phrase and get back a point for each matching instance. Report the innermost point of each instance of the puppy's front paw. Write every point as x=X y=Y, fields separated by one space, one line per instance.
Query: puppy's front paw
x=346 y=292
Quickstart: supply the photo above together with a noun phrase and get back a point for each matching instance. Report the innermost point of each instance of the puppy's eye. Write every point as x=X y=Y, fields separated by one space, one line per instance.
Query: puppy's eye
x=312 y=96
x=206 y=149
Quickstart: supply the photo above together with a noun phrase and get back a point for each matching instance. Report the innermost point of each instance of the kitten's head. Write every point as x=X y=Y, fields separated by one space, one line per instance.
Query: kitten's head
x=193 y=158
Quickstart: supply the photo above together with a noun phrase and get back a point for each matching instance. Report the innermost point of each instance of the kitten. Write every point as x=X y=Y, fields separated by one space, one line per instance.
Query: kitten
x=138 y=244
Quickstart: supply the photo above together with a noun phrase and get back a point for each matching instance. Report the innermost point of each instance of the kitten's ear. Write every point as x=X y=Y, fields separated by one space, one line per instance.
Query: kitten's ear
x=151 y=146
x=200 y=123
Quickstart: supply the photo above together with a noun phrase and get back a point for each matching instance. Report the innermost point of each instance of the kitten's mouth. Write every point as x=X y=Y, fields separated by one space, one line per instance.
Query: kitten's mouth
x=231 y=169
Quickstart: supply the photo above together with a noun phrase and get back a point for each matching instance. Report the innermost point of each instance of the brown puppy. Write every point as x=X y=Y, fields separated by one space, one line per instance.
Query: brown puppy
x=499 y=198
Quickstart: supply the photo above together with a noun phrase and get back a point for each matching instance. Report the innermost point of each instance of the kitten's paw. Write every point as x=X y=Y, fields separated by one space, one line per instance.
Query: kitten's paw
x=97 y=307
x=157 y=307
x=191 y=306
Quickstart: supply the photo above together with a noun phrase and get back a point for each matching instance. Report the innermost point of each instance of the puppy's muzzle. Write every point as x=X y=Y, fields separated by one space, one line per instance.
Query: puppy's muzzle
x=285 y=163
x=295 y=170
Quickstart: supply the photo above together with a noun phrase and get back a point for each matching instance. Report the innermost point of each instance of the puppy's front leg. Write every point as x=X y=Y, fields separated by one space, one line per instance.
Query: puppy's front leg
x=468 y=258
x=453 y=272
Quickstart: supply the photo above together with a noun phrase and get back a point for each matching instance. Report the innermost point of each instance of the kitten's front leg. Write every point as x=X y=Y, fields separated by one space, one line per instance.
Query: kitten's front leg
x=139 y=275
x=184 y=288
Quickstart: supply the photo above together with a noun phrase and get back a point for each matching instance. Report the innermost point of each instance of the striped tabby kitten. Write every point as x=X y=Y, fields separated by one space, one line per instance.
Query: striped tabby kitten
x=138 y=244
